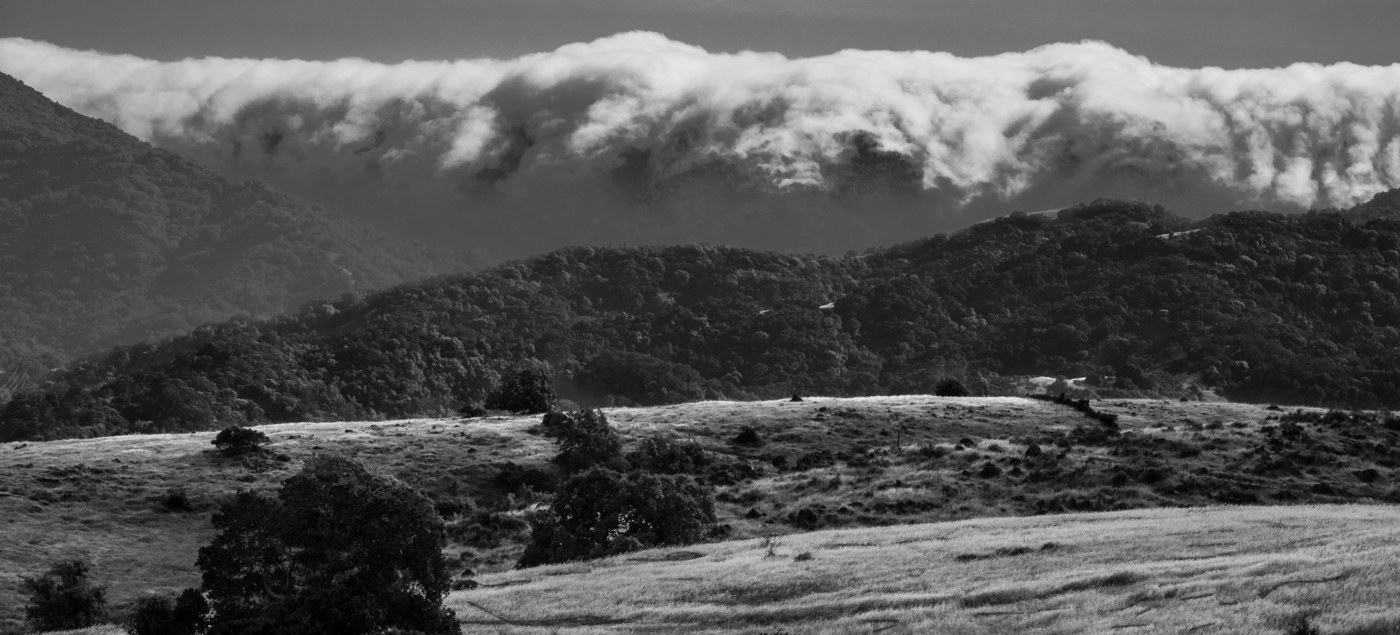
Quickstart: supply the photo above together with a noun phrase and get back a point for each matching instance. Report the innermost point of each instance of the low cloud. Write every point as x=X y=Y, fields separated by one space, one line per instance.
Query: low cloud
x=636 y=137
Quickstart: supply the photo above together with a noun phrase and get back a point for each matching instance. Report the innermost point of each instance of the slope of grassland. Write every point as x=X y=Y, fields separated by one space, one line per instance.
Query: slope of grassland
x=1206 y=570
x=823 y=463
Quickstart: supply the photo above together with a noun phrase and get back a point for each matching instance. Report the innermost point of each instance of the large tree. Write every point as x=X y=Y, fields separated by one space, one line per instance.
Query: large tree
x=340 y=550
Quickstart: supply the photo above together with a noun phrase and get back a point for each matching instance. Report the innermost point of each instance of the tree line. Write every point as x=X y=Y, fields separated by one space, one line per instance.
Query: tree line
x=1294 y=309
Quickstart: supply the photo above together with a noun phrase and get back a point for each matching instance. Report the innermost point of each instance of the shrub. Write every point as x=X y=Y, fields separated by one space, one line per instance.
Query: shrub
x=486 y=529
x=660 y=455
x=528 y=389
x=950 y=388
x=453 y=506
x=175 y=500
x=237 y=441
x=339 y=550
x=748 y=436
x=815 y=459
x=1299 y=625
x=585 y=439
x=62 y=598
x=602 y=512
x=187 y=615
x=515 y=478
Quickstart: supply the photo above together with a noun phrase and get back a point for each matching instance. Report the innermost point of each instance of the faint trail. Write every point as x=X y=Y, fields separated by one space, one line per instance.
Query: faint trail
x=577 y=620
x=885 y=623
x=1265 y=592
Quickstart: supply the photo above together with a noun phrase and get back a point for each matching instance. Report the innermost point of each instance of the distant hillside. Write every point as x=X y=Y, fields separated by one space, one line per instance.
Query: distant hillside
x=105 y=240
x=1258 y=306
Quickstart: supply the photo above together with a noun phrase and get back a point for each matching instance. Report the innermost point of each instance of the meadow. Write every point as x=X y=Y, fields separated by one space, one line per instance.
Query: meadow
x=137 y=507
x=1204 y=570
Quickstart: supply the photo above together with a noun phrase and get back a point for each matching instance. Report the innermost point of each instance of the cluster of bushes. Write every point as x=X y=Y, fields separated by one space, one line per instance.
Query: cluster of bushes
x=1261 y=307
x=614 y=502
x=1082 y=405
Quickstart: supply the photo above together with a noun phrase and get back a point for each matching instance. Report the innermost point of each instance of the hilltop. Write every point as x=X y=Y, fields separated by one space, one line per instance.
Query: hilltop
x=107 y=240
x=138 y=506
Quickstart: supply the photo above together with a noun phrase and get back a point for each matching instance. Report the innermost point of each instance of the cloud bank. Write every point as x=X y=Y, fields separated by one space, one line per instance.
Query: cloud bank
x=638 y=137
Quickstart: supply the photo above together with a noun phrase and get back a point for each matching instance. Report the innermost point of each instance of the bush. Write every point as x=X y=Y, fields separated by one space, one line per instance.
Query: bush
x=486 y=529
x=748 y=436
x=175 y=500
x=950 y=388
x=585 y=439
x=340 y=550
x=62 y=598
x=660 y=455
x=514 y=478
x=602 y=512
x=453 y=506
x=187 y=615
x=528 y=389
x=237 y=441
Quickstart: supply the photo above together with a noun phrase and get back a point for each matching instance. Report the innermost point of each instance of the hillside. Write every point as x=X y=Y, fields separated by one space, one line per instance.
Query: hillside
x=1254 y=306
x=823 y=463
x=106 y=240
x=1240 y=570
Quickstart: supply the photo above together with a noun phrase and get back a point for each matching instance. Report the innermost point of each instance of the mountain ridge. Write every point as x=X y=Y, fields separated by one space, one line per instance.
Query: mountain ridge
x=1252 y=305
x=107 y=240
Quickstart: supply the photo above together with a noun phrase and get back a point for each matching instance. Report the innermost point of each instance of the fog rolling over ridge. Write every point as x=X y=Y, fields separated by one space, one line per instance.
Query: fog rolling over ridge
x=638 y=138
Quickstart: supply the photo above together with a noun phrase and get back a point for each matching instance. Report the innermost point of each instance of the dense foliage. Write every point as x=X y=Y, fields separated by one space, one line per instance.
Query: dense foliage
x=585 y=440
x=1266 y=307
x=339 y=550
x=187 y=614
x=237 y=441
x=528 y=389
x=63 y=598
x=602 y=512
x=105 y=239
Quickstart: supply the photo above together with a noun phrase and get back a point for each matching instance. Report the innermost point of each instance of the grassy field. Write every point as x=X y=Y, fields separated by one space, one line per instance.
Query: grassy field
x=822 y=464
x=1205 y=570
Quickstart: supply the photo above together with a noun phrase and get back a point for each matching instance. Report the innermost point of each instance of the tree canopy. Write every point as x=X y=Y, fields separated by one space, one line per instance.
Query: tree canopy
x=1265 y=307
x=339 y=550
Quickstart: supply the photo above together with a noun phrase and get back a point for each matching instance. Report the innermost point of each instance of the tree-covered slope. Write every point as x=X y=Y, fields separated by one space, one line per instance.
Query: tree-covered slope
x=105 y=239
x=1268 y=307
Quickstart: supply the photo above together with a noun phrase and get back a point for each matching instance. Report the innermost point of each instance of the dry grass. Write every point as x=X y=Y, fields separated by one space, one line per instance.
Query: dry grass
x=1207 y=570
x=97 y=498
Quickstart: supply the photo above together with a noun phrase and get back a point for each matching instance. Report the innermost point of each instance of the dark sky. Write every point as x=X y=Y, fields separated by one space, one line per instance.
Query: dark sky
x=1192 y=33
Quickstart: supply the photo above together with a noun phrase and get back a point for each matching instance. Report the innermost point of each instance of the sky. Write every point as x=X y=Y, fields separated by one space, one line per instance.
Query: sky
x=525 y=125
x=1186 y=33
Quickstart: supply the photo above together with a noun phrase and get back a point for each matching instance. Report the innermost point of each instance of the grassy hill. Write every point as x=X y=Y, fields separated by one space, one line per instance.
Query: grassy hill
x=1245 y=570
x=824 y=463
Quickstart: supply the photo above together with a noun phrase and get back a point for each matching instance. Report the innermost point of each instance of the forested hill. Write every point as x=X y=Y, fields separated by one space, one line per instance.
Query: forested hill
x=105 y=239
x=1267 y=307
